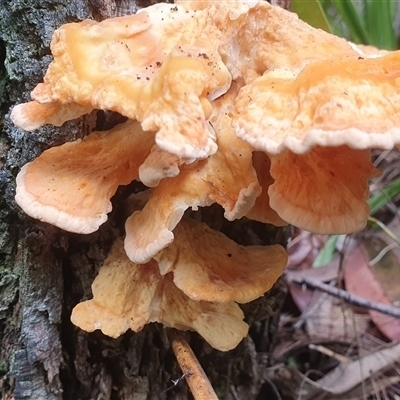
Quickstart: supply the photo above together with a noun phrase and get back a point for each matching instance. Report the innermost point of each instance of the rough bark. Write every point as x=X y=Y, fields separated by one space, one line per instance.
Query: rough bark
x=45 y=272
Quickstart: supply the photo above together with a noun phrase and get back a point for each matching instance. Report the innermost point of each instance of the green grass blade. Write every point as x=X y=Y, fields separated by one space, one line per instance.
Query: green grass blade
x=325 y=256
x=379 y=17
x=353 y=20
x=385 y=229
x=311 y=12
x=377 y=201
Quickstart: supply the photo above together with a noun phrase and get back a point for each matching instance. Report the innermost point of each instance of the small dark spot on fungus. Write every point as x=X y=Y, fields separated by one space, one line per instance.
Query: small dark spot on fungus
x=360 y=58
x=210 y=63
x=229 y=254
x=147 y=78
x=158 y=64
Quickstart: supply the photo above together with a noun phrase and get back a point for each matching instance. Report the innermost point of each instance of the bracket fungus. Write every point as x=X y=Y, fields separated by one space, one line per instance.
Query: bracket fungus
x=128 y=296
x=227 y=178
x=313 y=122
x=233 y=273
x=237 y=103
x=183 y=287
x=71 y=185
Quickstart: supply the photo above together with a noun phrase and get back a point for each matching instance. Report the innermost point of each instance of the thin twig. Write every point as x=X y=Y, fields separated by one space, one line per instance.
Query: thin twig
x=330 y=353
x=195 y=377
x=383 y=253
x=349 y=298
x=388 y=231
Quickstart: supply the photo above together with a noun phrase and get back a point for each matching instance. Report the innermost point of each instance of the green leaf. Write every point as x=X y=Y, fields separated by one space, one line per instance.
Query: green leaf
x=325 y=256
x=379 y=17
x=353 y=20
x=377 y=201
x=311 y=12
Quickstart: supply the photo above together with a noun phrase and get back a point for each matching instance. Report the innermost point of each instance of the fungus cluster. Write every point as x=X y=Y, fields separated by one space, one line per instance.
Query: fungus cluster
x=237 y=103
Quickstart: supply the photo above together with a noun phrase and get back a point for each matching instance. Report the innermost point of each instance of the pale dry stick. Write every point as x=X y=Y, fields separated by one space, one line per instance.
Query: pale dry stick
x=385 y=229
x=330 y=353
x=383 y=253
x=195 y=376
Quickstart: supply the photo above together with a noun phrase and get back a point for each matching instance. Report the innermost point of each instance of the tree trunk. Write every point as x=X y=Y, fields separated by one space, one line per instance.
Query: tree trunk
x=45 y=272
